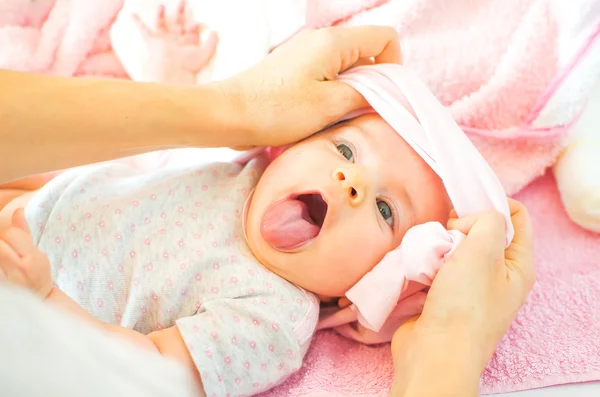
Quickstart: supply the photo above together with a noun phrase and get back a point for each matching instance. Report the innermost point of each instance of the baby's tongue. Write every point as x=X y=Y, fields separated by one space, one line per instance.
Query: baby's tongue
x=287 y=224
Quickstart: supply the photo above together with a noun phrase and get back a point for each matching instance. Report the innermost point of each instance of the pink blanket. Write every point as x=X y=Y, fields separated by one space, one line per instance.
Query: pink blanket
x=554 y=340
x=514 y=74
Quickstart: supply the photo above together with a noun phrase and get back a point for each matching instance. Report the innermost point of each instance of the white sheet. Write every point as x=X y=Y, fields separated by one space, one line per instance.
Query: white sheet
x=45 y=352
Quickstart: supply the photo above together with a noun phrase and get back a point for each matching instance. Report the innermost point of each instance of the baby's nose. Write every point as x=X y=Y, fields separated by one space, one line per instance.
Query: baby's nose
x=351 y=182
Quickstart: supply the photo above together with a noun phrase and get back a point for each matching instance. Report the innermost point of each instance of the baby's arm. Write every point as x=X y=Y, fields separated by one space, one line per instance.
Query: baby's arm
x=23 y=264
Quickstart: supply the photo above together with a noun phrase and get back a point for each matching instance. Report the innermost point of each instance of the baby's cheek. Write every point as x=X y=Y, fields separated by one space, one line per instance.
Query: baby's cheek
x=355 y=259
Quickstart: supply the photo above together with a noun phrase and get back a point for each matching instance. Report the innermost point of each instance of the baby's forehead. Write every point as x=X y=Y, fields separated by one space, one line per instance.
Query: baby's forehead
x=396 y=159
x=379 y=135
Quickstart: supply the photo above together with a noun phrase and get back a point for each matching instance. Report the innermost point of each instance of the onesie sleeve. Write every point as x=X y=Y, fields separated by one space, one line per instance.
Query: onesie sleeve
x=243 y=347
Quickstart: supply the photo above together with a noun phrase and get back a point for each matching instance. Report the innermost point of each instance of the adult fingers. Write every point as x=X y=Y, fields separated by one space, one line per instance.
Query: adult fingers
x=341 y=99
x=520 y=254
x=379 y=42
x=486 y=235
x=521 y=221
x=466 y=223
x=363 y=62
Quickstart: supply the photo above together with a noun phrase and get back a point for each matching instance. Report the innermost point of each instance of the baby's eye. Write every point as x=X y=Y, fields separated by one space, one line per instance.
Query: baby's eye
x=346 y=152
x=385 y=211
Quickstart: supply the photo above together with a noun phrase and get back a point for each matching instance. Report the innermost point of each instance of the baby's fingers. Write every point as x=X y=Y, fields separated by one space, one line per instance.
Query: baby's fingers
x=18 y=220
x=8 y=256
x=175 y=16
x=19 y=241
x=196 y=58
x=137 y=21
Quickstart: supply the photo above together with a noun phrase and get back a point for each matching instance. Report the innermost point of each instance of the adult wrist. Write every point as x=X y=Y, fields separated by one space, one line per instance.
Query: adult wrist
x=233 y=112
x=430 y=363
x=209 y=115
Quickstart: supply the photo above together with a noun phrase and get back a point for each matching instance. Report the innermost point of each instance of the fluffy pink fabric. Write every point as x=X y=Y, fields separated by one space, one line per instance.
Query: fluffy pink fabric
x=555 y=339
x=494 y=64
x=60 y=37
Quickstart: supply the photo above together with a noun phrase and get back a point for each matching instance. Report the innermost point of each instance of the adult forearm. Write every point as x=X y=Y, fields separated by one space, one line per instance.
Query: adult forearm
x=50 y=123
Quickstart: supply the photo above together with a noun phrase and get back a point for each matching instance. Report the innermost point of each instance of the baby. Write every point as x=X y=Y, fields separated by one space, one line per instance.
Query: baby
x=222 y=266
x=227 y=261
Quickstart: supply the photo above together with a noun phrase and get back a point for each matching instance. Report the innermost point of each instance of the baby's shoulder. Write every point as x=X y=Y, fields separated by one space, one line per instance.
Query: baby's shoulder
x=292 y=306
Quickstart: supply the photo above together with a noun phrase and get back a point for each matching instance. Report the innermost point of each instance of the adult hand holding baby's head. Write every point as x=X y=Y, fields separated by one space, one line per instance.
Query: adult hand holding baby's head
x=474 y=297
x=293 y=93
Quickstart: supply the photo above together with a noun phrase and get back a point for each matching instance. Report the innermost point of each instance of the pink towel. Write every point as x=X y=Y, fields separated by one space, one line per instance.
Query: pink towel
x=555 y=339
x=514 y=74
x=507 y=70
x=59 y=37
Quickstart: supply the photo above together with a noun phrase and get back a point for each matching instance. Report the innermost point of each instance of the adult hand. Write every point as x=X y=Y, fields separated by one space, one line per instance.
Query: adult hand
x=293 y=93
x=473 y=299
x=288 y=96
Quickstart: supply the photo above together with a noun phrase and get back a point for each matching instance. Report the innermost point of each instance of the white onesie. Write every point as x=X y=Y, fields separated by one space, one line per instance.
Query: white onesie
x=151 y=250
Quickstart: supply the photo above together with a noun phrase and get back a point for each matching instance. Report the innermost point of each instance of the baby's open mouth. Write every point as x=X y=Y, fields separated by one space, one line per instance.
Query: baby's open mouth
x=290 y=223
x=316 y=206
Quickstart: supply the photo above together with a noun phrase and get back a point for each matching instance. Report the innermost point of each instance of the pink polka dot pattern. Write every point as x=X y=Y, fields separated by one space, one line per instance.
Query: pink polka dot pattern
x=165 y=249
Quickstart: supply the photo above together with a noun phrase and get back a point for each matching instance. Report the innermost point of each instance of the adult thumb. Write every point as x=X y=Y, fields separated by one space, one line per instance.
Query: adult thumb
x=343 y=100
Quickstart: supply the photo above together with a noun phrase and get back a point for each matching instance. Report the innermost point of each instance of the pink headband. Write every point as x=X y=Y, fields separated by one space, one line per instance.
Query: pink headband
x=392 y=91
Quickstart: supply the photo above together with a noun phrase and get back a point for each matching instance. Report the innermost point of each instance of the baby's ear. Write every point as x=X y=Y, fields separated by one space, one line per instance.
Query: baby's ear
x=18 y=220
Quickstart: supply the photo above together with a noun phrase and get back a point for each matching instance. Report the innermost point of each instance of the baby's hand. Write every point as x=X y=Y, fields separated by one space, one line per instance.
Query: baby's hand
x=175 y=47
x=21 y=262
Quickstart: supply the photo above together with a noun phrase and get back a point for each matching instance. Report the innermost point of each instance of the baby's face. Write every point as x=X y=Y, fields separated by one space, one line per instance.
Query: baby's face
x=330 y=207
